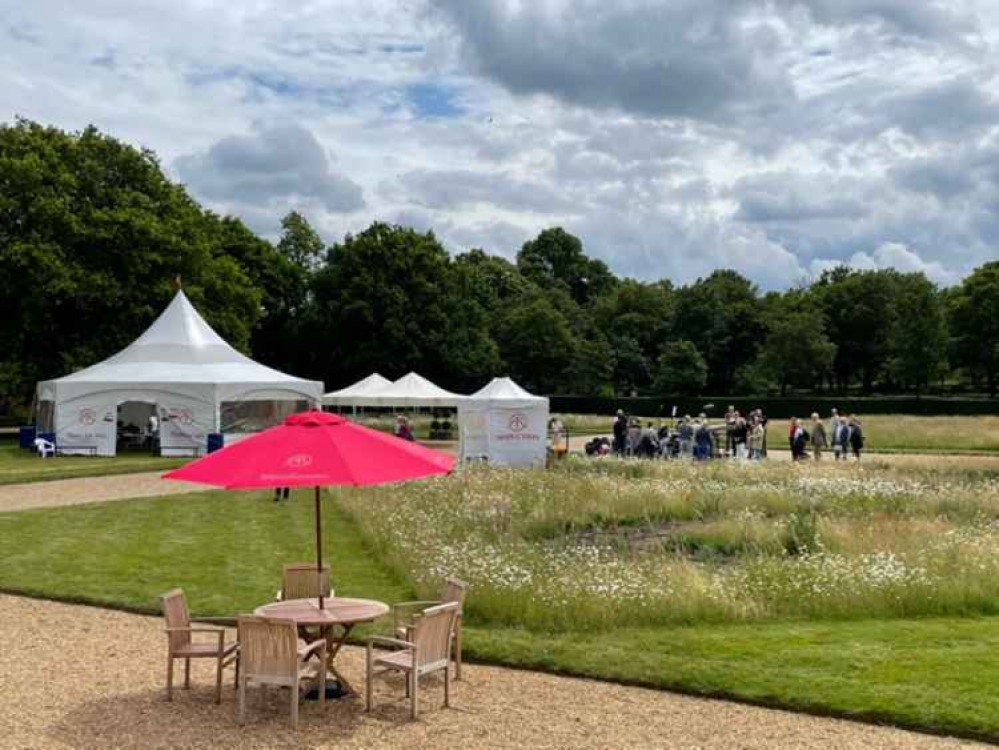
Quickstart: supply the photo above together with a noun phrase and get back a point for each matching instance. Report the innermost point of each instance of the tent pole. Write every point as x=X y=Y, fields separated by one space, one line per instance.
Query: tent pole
x=319 y=545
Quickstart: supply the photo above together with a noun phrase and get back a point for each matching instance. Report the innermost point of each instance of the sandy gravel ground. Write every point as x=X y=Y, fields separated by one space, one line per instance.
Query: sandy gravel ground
x=78 y=677
x=90 y=490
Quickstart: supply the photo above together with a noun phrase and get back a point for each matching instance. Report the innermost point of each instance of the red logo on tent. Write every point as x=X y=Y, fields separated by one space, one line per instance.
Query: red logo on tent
x=88 y=416
x=518 y=422
x=298 y=461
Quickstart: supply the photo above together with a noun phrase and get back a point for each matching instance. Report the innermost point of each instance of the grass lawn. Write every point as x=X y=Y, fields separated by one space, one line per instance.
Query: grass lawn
x=892 y=433
x=18 y=466
x=226 y=551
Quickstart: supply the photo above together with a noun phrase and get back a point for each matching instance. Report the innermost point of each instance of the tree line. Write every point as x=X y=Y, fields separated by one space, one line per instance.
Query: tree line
x=92 y=232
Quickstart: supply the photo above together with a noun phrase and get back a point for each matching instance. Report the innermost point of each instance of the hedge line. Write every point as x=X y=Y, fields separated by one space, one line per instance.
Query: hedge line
x=776 y=407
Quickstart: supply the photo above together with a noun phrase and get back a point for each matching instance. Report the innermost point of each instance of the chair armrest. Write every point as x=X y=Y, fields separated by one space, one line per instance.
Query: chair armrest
x=413 y=605
x=383 y=641
x=222 y=622
x=319 y=645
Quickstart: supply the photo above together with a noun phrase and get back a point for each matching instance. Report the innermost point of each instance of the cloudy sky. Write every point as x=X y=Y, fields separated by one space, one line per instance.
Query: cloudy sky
x=776 y=137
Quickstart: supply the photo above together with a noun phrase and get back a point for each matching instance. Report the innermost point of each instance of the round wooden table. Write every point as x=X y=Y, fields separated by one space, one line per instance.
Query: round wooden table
x=337 y=612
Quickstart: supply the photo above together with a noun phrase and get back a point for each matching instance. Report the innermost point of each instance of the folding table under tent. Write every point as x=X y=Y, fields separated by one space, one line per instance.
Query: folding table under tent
x=186 y=374
x=504 y=425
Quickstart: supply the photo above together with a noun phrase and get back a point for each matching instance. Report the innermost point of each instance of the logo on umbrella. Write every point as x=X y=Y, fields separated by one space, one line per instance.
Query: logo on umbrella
x=518 y=423
x=298 y=461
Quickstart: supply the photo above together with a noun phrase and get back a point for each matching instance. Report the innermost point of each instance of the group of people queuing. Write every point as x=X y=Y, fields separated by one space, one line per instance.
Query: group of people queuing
x=845 y=436
x=743 y=437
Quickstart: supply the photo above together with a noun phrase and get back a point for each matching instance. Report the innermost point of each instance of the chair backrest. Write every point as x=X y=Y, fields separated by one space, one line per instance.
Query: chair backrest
x=268 y=647
x=455 y=591
x=432 y=634
x=302 y=581
x=176 y=615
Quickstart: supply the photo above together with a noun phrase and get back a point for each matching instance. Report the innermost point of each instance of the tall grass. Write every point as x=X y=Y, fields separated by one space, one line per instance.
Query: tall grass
x=597 y=544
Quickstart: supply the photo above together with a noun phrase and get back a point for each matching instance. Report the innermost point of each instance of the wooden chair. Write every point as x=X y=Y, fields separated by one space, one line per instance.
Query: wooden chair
x=403 y=615
x=302 y=581
x=429 y=650
x=180 y=645
x=270 y=653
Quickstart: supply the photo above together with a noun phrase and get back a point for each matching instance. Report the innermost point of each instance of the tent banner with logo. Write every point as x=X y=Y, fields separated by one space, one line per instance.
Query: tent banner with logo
x=504 y=425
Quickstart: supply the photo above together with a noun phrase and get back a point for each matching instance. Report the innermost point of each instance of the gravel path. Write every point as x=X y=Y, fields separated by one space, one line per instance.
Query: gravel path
x=58 y=492
x=79 y=677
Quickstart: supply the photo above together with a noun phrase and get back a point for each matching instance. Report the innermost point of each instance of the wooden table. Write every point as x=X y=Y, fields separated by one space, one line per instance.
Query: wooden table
x=337 y=612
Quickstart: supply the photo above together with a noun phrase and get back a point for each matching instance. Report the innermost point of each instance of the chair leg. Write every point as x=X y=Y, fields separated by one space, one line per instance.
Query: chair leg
x=367 y=679
x=447 y=686
x=235 y=679
x=187 y=674
x=169 y=677
x=414 y=692
x=218 y=681
x=457 y=650
x=241 y=714
x=322 y=686
x=294 y=706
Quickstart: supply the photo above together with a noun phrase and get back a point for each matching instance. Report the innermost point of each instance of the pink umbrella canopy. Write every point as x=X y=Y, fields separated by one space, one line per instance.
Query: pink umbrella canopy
x=315 y=449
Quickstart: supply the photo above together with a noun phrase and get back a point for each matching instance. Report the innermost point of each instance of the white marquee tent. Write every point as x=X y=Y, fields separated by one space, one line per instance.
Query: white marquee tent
x=411 y=391
x=504 y=425
x=354 y=395
x=181 y=368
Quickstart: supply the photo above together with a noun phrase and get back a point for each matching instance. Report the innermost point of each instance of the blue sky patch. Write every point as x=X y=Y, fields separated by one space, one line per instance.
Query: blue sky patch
x=432 y=100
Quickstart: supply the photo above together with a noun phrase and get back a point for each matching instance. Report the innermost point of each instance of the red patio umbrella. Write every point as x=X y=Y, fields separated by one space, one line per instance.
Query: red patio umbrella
x=314 y=449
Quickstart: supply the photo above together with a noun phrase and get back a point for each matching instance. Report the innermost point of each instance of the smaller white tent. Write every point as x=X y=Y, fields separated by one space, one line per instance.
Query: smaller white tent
x=354 y=395
x=411 y=390
x=504 y=425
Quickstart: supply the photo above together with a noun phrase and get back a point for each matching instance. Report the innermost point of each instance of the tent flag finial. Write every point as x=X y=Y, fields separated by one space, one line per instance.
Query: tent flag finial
x=176 y=282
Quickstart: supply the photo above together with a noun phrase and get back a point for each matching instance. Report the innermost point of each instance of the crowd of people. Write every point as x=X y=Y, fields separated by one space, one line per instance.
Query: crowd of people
x=743 y=437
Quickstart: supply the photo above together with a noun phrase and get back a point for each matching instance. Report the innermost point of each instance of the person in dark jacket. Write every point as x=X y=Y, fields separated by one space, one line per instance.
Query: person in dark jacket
x=620 y=432
x=856 y=437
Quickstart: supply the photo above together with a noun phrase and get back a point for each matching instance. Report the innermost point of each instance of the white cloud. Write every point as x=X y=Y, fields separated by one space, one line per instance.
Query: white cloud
x=778 y=137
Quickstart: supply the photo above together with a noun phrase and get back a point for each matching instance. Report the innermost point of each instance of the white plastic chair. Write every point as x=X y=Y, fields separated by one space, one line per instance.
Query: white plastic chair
x=44 y=447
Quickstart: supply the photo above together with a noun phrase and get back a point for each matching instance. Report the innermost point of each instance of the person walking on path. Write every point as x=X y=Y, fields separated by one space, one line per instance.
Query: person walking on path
x=819 y=441
x=799 y=440
x=686 y=438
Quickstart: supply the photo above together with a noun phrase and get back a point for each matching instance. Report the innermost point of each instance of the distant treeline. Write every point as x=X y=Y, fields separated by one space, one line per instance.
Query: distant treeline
x=92 y=232
x=776 y=407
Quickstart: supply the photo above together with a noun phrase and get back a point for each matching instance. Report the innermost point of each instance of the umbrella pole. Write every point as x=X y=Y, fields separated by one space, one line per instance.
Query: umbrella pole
x=319 y=545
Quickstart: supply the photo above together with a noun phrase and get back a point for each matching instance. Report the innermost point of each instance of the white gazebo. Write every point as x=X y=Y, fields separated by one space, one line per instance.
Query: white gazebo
x=180 y=371
x=411 y=391
x=504 y=425
x=354 y=395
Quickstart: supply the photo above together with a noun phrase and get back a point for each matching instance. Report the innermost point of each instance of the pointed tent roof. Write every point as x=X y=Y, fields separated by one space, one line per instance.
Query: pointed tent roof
x=505 y=389
x=412 y=390
x=348 y=396
x=178 y=348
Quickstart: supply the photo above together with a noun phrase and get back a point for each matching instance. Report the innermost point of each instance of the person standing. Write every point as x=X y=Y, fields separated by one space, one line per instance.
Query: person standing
x=756 y=433
x=731 y=418
x=841 y=440
x=799 y=441
x=856 y=437
x=819 y=440
x=620 y=429
x=740 y=436
x=686 y=438
x=834 y=423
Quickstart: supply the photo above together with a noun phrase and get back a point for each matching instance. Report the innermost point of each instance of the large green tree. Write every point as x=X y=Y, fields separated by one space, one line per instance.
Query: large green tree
x=722 y=316
x=974 y=322
x=680 y=369
x=91 y=234
x=857 y=306
x=796 y=350
x=555 y=259
x=917 y=336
